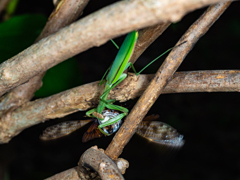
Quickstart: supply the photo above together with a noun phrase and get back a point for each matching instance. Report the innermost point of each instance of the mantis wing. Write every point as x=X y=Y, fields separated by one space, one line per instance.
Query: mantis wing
x=122 y=57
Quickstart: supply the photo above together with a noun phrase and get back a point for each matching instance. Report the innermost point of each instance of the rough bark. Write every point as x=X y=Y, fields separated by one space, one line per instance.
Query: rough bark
x=95 y=159
x=98 y=161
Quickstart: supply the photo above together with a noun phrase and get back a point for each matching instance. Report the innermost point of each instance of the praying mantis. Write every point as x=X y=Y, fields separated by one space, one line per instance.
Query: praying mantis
x=107 y=113
x=115 y=76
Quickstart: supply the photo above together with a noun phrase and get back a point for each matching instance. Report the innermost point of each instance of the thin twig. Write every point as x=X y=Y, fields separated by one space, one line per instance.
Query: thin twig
x=66 y=12
x=87 y=96
x=165 y=72
x=93 y=30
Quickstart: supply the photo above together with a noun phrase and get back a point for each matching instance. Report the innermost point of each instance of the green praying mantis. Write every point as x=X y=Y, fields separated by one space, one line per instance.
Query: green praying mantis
x=115 y=76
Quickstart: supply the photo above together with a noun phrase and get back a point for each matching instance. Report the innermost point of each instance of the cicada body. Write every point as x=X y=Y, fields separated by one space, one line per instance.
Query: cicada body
x=109 y=114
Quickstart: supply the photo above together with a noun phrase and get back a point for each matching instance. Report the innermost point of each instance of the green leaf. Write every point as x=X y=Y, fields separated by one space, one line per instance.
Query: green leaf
x=59 y=78
x=19 y=32
x=11 y=7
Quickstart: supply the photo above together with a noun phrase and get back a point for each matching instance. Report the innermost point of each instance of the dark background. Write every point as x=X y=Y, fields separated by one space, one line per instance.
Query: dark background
x=209 y=121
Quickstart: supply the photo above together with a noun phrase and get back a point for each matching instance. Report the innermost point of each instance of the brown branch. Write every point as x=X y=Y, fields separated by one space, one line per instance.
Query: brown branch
x=165 y=72
x=98 y=161
x=66 y=12
x=3 y=4
x=94 y=158
x=91 y=31
x=87 y=96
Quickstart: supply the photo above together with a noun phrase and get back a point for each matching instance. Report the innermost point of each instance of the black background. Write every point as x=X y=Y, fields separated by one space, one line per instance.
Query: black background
x=209 y=121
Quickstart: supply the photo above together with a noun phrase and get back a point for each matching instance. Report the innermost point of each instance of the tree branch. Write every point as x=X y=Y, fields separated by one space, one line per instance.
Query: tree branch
x=91 y=31
x=165 y=72
x=95 y=159
x=87 y=96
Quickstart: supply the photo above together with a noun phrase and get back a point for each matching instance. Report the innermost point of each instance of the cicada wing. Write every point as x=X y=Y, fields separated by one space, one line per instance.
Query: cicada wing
x=160 y=133
x=62 y=129
x=92 y=132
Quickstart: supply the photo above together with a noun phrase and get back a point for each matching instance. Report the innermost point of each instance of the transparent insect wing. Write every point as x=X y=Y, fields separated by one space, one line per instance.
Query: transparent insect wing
x=160 y=133
x=109 y=114
x=62 y=129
